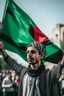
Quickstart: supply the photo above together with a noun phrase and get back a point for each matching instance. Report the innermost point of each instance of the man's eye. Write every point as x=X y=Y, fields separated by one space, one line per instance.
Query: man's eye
x=33 y=51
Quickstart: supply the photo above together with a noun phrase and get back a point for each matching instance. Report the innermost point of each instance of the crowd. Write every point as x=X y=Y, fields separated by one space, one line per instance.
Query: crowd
x=9 y=83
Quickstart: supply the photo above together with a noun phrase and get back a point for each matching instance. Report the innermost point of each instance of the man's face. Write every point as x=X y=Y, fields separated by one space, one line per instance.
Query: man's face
x=33 y=55
x=9 y=76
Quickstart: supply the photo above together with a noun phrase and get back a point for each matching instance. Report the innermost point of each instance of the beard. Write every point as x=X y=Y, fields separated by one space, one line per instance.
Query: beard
x=32 y=61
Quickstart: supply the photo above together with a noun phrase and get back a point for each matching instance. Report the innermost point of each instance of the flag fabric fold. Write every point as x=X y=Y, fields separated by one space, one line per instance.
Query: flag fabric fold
x=18 y=30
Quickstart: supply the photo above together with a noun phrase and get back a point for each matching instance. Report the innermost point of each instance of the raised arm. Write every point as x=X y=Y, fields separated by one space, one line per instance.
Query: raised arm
x=62 y=61
x=11 y=62
x=57 y=70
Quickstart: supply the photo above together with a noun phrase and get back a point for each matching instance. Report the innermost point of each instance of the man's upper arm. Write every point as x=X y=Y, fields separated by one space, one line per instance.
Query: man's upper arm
x=56 y=72
x=14 y=65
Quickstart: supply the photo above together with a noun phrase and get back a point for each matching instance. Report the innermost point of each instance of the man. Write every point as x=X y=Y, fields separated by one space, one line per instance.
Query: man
x=35 y=80
x=7 y=85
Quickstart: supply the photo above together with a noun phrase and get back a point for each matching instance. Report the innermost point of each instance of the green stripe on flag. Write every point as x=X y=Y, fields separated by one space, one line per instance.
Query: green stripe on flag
x=50 y=49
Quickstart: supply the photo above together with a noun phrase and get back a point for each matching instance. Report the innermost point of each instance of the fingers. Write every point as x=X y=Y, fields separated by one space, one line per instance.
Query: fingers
x=1 y=45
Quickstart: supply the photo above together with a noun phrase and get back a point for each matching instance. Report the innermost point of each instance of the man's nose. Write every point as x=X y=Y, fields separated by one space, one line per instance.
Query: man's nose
x=30 y=53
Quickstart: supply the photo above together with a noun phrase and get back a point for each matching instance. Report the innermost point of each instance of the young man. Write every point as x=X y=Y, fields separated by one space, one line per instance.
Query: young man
x=7 y=85
x=35 y=80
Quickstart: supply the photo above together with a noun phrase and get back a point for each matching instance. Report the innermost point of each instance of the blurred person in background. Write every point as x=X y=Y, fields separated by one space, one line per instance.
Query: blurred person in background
x=7 y=85
x=17 y=82
x=1 y=83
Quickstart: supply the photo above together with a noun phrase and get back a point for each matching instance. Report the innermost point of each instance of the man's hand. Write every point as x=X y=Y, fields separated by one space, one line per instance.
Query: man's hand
x=1 y=46
x=62 y=61
x=3 y=50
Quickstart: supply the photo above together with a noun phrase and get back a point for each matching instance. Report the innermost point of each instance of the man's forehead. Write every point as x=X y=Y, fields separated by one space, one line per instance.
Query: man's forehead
x=31 y=48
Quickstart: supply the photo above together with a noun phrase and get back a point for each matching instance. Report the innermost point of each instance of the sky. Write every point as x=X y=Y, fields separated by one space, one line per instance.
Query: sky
x=45 y=13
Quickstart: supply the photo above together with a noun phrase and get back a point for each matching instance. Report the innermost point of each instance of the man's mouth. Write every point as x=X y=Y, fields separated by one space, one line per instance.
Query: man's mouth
x=31 y=61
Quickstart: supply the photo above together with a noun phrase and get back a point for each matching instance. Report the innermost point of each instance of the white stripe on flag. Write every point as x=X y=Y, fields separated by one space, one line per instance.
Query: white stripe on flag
x=17 y=58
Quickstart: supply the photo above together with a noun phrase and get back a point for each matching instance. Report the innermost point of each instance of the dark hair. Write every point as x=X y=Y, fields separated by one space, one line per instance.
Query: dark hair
x=7 y=73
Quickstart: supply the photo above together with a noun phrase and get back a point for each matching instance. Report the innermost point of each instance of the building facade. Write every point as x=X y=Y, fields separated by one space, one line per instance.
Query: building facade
x=58 y=34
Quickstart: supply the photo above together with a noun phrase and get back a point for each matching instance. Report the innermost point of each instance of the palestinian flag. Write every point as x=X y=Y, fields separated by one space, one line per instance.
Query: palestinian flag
x=18 y=29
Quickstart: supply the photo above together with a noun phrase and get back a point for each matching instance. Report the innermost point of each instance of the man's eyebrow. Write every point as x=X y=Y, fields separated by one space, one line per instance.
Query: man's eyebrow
x=31 y=50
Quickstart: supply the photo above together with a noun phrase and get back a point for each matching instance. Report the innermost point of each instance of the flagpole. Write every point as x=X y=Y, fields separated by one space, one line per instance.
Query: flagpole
x=3 y=16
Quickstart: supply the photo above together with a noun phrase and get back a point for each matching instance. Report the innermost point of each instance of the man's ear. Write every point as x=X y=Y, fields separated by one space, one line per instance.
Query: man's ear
x=42 y=55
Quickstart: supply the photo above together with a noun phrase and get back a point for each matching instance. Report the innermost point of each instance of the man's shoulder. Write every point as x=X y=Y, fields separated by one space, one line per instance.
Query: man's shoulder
x=5 y=79
x=24 y=70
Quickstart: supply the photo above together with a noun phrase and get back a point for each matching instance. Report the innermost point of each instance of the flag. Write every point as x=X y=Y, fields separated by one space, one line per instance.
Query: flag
x=18 y=30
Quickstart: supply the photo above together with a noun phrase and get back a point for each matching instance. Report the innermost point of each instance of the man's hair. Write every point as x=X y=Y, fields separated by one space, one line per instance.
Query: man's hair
x=7 y=73
x=40 y=47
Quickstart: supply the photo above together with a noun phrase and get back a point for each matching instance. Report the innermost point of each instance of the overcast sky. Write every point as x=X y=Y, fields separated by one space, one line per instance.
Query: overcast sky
x=45 y=13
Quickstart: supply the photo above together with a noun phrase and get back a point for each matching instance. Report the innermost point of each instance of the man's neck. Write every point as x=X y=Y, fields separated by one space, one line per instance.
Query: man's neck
x=35 y=66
